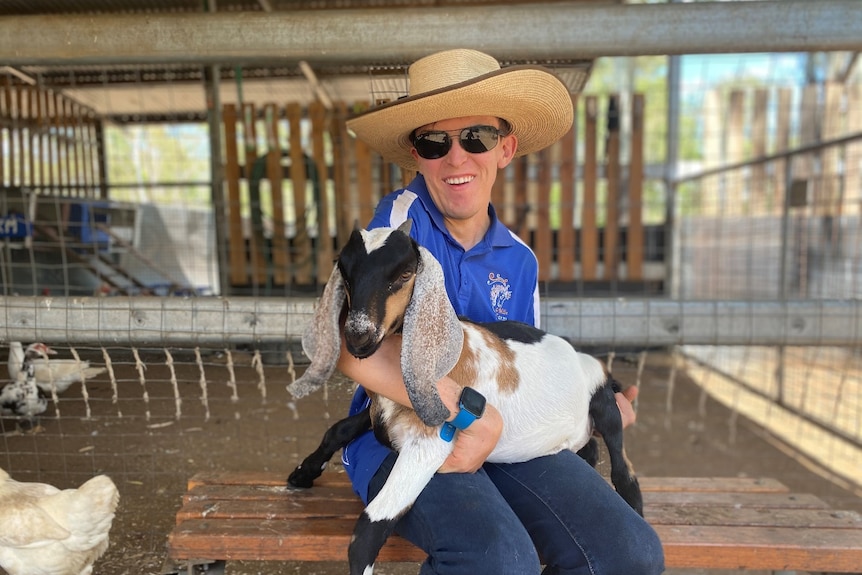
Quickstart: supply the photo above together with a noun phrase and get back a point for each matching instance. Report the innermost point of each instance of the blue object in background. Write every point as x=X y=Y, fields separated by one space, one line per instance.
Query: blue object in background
x=83 y=218
x=15 y=226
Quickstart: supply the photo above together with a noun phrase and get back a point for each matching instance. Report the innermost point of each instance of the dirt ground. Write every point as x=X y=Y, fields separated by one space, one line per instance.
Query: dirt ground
x=151 y=436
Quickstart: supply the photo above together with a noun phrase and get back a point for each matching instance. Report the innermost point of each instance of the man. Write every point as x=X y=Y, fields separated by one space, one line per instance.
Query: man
x=464 y=120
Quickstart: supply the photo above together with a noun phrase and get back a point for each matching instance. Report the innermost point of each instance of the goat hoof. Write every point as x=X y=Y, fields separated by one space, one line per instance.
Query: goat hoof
x=300 y=479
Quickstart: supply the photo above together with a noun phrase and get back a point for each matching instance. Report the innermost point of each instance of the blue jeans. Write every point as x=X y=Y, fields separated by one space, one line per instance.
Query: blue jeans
x=509 y=519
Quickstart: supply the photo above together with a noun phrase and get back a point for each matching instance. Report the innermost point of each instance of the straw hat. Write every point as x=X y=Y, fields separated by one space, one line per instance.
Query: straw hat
x=457 y=83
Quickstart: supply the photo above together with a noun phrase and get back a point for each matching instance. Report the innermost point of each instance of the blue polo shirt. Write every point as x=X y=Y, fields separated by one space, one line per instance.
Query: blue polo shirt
x=496 y=280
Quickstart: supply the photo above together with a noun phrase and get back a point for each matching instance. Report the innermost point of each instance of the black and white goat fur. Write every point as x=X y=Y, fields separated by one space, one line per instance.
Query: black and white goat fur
x=550 y=396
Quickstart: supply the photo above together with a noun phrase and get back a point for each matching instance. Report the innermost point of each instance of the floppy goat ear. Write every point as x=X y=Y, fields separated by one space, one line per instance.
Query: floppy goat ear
x=322 y=338
x=432 y=338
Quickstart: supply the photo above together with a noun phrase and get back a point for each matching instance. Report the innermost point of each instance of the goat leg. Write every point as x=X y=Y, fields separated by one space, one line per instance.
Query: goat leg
x=608 y=422
x=335 y=438
x=590 y=452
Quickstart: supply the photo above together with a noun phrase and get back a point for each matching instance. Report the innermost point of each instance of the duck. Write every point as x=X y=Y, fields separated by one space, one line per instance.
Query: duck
x=59 y=373
x=21 y=397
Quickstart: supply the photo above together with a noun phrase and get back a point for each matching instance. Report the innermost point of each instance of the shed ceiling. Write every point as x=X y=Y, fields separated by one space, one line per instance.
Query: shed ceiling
x=176 y=92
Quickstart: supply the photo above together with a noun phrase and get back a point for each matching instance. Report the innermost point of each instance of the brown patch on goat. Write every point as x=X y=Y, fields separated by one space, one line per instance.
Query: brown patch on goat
x=508 y=375
x=465 y=372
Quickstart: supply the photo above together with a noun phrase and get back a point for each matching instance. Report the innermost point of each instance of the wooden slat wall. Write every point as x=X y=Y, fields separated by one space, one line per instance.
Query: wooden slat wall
x=635 y=237
x=276 y=181
x=526 y=195
x=50 y=145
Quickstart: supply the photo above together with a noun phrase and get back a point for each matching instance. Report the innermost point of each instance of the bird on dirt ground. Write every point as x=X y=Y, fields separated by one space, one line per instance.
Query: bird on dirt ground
x=61 y=373
x=21 y=397
x=48 y=531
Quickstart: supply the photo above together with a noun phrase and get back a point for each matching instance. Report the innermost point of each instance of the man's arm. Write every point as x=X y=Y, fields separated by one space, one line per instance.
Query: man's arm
x=381 y=373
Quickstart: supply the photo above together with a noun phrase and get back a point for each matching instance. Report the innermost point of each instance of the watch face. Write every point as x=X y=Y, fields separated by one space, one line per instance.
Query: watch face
x=473 y=401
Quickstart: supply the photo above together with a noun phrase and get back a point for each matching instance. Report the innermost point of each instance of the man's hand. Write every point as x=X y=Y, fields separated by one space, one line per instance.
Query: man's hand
x=624 y=402
x=474 y=444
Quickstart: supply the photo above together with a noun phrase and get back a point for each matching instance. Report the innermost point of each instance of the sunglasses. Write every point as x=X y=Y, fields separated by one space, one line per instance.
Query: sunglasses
x=473 y=139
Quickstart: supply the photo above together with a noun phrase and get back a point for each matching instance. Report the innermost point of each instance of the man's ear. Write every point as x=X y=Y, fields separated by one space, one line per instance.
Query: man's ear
x=510 y=146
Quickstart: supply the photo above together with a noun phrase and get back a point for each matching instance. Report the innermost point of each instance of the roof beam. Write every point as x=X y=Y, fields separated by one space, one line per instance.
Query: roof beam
x=536 y=31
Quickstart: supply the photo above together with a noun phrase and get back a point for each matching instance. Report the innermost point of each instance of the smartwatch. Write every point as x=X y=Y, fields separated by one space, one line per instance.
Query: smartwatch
x=471 y=406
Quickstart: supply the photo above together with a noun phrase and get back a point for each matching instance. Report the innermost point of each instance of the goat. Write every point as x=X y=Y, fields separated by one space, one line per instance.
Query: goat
x=550 y=396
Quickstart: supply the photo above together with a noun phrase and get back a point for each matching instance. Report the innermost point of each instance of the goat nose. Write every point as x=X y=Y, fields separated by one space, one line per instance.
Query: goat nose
x=361 y=345
x=361 y=335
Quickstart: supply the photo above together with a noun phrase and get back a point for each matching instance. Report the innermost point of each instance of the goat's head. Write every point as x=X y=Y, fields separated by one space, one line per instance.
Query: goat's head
x=388 y=283
x=378 y=268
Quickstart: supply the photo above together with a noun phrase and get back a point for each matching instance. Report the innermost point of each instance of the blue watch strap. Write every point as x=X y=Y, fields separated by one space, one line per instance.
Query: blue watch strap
x=462 y=421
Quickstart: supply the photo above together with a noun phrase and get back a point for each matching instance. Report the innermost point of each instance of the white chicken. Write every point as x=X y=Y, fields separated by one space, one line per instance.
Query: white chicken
x=46 y=531
x=62 y=373
x=21 y=397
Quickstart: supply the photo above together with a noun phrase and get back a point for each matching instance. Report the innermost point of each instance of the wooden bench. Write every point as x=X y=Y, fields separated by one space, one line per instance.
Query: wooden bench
x=721 y=523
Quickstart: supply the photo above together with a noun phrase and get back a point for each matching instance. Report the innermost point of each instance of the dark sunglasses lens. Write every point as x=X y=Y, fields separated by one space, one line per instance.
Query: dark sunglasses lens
x=432 y=145
x=479 y=139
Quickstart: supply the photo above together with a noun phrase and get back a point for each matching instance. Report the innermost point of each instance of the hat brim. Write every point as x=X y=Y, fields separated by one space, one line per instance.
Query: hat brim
x=533 y=100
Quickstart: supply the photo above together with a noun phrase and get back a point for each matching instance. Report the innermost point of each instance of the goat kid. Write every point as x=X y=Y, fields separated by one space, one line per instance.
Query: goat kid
x=550 y=396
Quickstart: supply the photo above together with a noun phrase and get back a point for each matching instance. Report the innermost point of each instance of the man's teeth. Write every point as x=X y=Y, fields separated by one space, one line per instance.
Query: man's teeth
x=462 y=180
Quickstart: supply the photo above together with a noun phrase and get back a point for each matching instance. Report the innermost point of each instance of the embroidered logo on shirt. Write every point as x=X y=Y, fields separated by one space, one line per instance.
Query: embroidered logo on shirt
x=500 y=293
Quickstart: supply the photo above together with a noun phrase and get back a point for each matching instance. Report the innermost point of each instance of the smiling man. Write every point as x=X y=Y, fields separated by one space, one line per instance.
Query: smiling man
x=464 y=120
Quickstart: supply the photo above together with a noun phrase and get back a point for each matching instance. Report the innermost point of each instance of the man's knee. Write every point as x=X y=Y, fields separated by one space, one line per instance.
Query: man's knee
x=498 y=551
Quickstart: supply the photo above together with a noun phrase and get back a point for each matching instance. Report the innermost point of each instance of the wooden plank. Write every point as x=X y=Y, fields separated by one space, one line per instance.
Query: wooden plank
x=744 y=516
x=4 y=132
x=713 y=484
x=274 y=173
x=42 y=137
x=734 y=183
x=635 y=234
x=280 y=509
x=341 y=154
x=298 y=506
x=12 y=132
x=364 y=181
x=589 y=232
x=833 y=126
x=685 y=546
x=32 y=133
x=236 y=239
x=266 y=493
x=68 y=145
x=520 y=201
x=782 y=141
x=50 y=142
x=752 y=500
x=301 y=241
x=542 y=214
x=758 y=183
x=647 y=484
x=325 y=255
x=853 y=152
x=252 y=539
x=612 y=201
x=20 y=121
x=257 y=259
x=791 y=549
x=723 y=499
x=498 y=196
x=566 y=233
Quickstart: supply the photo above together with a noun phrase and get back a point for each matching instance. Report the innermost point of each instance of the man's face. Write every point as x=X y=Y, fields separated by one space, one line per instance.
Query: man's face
x=460 y=182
